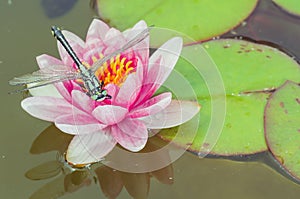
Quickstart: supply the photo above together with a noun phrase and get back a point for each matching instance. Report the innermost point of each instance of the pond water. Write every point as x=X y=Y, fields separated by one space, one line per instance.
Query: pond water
x=25 y=34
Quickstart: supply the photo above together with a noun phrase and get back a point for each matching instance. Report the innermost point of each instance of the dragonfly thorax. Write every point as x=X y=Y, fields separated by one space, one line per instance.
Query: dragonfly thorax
x=93 y=87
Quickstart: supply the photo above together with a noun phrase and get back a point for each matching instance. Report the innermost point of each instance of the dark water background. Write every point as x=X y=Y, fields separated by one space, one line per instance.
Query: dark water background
x=25 y=34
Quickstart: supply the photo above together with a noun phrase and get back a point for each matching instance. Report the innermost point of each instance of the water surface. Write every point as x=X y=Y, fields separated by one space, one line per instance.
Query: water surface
x=25 y=34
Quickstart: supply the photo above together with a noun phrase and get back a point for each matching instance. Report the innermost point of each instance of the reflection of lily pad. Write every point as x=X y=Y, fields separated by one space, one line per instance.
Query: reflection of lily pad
x=291 y=6
x=245 y=68
x=44 y=171
x=59 y=141
x=282 y=126
x=57 y=8
x=199 y=19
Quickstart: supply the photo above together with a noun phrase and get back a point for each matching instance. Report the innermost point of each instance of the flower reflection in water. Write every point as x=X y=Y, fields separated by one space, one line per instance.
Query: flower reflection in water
x=68 y=179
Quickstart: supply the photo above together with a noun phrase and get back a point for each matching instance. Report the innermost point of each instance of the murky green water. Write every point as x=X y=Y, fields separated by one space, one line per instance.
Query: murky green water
x=25 y=34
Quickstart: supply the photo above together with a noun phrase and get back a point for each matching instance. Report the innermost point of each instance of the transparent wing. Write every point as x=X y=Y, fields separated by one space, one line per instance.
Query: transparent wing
x=47 y=75
x=137 y=39
x=39 y=84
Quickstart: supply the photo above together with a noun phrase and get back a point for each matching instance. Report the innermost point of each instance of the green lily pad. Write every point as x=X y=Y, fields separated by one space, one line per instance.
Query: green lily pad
x=249 y=71
x=282 y=126
x=291 y=6
x=200 y=20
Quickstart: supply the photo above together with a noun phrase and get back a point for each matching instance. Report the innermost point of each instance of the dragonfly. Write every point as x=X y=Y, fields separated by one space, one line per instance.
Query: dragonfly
x=92 y=86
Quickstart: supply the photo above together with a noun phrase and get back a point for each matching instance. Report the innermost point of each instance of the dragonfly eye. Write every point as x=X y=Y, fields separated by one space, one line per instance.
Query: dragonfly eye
x=104 y=92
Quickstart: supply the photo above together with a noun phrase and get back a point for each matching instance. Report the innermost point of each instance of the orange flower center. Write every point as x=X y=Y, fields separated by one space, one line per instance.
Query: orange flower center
x=114 y=71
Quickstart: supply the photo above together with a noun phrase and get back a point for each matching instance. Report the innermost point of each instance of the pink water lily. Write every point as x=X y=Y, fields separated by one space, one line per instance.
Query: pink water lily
x=131 y=78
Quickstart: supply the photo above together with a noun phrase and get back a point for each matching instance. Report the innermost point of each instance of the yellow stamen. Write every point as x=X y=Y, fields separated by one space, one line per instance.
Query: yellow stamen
x=115 y=70
x=128 y=64
x=122 y=61
x=118 y=59
x=114 y=67
x=94 y=58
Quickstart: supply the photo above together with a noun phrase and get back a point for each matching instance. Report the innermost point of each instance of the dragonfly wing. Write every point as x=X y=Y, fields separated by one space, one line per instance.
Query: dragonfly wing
x=48 y=74
x=137 y=39
x=44 y=83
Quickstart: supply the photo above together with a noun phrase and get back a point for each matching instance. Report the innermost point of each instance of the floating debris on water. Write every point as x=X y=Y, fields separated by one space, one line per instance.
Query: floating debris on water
x=226 y=45
x=233 y=32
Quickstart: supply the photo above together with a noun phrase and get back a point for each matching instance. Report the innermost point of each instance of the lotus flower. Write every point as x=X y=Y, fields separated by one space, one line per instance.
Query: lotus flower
x=131 y=78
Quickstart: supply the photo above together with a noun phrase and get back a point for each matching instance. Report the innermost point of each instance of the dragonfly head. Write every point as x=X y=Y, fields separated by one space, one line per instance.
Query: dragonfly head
x=100 y=96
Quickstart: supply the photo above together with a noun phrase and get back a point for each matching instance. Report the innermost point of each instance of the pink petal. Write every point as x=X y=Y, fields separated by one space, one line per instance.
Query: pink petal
x=97 y=31
x=109 y=114
x=178 y=112
x=112 y=90
x=78 y=124
x=152 y=106
x=94 y=38
x=80 y=129
x=147 y=85
x=47 y=61
x=137 y=28
x=129 y=90
x=75 y=42
x=113 y=40
x=90 y=148
x=82 y=101
x=158 y=72
x=169 y=51
x=141 y=49
x=64 y=88
x=76 y=118
x=46 y=108
x=92 y=50
x=131 y=134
